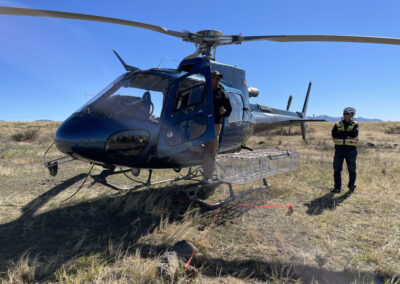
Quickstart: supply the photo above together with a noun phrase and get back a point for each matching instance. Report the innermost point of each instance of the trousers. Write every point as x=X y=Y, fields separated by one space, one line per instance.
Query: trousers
x=350 y=155
x=210 y=153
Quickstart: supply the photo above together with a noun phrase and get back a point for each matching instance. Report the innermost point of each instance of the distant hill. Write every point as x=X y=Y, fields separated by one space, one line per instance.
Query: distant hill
x=360 y=119
x=44 y=120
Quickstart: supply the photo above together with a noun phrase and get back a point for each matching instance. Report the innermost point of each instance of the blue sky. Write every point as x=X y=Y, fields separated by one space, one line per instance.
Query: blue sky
x=49 y=67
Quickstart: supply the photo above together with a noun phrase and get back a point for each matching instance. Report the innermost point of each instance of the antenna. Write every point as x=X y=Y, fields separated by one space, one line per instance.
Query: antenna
x=162 y=60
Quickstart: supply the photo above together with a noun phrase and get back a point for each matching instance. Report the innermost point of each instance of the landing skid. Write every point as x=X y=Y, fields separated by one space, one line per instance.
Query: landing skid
x=102 y=178
x=193 y=190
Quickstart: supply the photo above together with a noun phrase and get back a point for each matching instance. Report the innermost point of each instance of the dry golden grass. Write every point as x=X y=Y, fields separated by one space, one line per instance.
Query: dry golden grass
x=103 y=237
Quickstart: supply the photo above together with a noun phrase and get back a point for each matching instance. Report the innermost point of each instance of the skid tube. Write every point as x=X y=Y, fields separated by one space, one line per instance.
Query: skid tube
x=193 y=190
x=102 y=178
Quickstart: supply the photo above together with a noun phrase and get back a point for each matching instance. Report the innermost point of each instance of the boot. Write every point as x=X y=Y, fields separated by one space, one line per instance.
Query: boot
x=352 y=187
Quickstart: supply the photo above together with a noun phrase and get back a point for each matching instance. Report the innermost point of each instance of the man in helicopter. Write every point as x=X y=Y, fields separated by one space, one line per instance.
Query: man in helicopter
x=345 y=136
x=222 y=108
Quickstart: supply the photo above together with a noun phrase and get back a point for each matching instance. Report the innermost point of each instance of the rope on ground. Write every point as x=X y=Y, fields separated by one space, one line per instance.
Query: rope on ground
x=202 y=238
x=289 y=206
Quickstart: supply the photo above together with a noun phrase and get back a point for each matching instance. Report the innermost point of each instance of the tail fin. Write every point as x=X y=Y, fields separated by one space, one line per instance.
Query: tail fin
x=304 y=113
x=268 y=118
x=289 y=102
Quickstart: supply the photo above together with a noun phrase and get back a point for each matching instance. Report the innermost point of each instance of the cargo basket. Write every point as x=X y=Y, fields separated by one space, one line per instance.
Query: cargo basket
x=244 y=167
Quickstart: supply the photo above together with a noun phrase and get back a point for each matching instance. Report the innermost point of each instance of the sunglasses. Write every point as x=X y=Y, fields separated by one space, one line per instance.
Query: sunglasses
x=346 y=113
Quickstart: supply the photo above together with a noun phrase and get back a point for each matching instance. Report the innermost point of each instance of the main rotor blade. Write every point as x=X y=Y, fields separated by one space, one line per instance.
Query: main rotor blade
x=76 y=16
x=334 y=38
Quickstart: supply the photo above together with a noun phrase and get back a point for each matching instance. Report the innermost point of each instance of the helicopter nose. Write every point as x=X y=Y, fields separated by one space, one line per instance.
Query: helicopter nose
x=84 y=136
x=103 y=139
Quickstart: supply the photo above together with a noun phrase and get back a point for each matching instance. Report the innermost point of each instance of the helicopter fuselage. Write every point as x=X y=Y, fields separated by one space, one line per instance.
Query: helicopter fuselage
x=161 y=118
x=119 y=127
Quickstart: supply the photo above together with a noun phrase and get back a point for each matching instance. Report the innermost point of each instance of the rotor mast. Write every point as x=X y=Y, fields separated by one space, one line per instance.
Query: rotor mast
x=206 y=42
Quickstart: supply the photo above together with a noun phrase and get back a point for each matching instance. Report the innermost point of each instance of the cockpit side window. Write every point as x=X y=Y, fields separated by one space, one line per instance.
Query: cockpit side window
x=237 y=107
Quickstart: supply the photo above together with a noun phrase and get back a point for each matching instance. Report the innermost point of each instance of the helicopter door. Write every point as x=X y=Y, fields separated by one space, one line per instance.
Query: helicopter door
x=233 y=127
x=187 y=120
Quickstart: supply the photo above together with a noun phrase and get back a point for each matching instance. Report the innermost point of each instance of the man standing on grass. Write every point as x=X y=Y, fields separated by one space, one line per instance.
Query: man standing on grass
x=345 y=136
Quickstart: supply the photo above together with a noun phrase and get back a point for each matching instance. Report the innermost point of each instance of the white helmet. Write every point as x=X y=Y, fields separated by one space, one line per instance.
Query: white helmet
x=351 y=110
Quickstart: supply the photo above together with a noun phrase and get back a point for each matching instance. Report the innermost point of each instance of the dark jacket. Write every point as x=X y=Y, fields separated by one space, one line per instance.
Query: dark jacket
x=221 y=99
x=336 y=134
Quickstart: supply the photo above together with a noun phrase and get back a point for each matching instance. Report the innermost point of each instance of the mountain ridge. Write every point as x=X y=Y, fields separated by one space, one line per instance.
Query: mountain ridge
x=334 y=119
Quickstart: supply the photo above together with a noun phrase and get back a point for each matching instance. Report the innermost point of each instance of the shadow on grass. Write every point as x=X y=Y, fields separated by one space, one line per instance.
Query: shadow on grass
x=325 y=202
x=230 y=211
x=277 y=272
x=86 y=228
x=30 y=209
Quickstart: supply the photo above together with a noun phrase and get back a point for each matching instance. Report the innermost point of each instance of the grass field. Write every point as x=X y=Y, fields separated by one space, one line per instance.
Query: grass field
x=101 y=236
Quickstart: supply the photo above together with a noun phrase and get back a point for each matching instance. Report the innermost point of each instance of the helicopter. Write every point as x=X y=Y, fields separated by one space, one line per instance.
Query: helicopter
x=161 y=118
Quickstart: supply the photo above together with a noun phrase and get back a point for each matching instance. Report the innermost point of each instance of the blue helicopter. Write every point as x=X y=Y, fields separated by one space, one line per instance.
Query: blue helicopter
x=161 y=118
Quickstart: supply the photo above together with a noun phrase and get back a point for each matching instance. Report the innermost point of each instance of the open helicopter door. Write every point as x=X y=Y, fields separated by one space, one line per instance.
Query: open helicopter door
x=187 y=119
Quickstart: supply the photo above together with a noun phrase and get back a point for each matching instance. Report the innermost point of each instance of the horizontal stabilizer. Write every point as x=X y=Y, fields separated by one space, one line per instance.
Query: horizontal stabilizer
x=307 y=120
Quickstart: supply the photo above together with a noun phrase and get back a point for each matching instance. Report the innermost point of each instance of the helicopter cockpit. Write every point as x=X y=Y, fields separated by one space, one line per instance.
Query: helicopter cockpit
x=163 y=109
x=139 y=96
x=142 y=96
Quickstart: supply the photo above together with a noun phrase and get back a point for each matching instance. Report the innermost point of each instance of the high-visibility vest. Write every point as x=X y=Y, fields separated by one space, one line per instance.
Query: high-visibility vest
x=346 y=141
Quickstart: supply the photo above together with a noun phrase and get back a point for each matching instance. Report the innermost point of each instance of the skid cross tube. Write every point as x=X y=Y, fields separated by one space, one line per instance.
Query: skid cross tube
x=102 y=178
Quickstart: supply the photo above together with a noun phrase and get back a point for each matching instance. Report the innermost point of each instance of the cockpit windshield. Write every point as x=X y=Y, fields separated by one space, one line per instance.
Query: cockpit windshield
x=138 y=96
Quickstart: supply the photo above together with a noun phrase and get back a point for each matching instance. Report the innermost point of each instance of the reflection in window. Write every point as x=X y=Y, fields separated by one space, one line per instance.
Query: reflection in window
x=191 y=93
x=237 y=107
x=127 y=143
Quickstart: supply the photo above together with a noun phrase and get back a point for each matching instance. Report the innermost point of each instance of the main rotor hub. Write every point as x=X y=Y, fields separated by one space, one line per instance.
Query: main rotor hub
x=210 y=33
x=206 y=41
